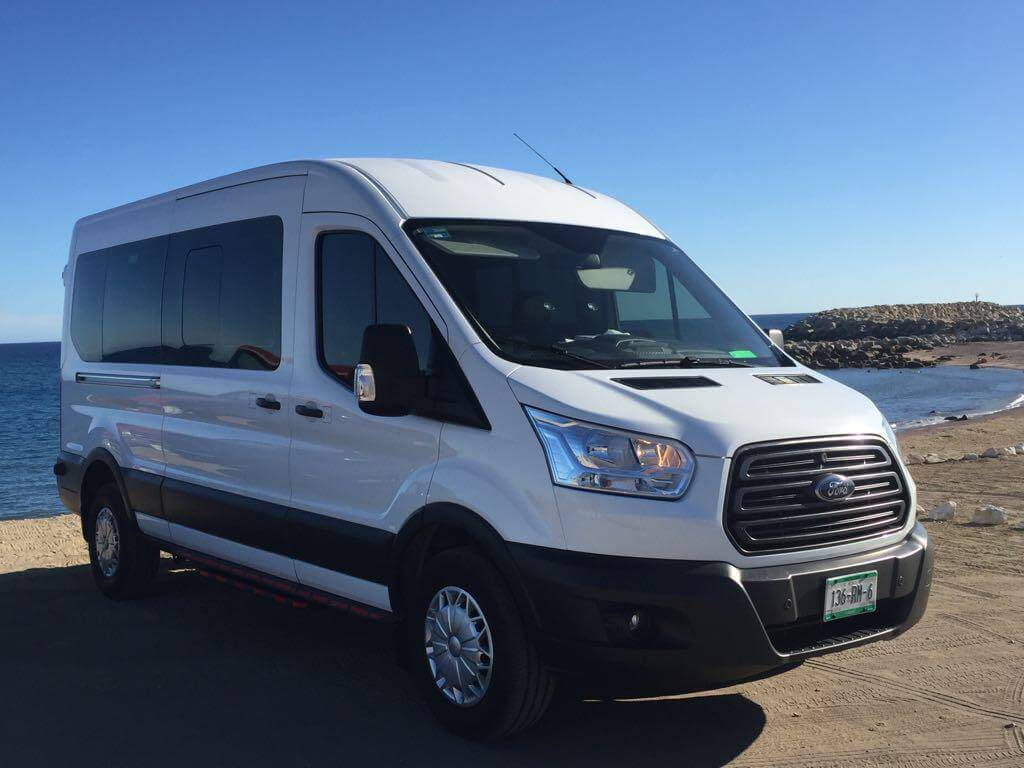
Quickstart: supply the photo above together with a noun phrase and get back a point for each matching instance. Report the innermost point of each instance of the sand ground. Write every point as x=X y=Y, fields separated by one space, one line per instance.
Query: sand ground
x=201 y=673
x=998 y=354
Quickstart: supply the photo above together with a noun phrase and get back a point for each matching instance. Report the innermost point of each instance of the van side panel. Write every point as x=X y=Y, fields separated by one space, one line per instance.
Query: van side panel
x=497 y=474
x=215 y=434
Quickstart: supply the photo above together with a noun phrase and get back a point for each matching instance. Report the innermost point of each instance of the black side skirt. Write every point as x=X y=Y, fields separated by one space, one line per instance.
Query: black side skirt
x=337 y=545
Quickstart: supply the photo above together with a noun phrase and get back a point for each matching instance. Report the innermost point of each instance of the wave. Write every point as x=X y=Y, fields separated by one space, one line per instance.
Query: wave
x=930 y=420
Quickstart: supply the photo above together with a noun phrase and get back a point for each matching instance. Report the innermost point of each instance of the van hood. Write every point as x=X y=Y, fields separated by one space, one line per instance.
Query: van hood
x=734 y=407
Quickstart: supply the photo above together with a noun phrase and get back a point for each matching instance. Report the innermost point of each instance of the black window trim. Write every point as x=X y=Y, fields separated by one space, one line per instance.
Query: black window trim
x=481 y=422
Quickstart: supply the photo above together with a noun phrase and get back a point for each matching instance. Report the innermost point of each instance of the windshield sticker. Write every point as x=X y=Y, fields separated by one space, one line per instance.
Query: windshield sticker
x=742 y=353
x=437 y=233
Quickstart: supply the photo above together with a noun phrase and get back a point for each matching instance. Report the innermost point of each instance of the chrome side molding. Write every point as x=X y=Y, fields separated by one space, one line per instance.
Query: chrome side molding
x=119 y=380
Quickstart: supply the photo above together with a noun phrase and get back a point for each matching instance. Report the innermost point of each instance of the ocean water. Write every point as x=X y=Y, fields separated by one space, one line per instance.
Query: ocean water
x=29 y=430
x=779 y=321
x=916 y=397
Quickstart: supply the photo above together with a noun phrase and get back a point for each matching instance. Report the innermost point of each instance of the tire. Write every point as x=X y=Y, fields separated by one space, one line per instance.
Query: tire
x=504 y=696
x=124 y=564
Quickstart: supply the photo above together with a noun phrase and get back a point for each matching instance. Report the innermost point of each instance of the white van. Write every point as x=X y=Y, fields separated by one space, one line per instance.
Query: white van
x=501 y=411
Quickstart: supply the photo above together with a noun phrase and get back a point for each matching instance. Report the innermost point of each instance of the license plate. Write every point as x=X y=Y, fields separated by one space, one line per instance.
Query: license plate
x=850 y=595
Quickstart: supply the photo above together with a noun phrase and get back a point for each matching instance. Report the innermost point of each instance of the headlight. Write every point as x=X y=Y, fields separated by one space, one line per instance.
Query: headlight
x=595 y=458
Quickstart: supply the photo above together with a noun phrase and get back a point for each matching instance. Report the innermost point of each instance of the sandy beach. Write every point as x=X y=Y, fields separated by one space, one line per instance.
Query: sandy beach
x=199 y=669
x=990 y=354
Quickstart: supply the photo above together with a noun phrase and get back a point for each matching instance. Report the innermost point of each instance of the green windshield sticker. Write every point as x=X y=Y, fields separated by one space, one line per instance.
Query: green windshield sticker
x=742 y=353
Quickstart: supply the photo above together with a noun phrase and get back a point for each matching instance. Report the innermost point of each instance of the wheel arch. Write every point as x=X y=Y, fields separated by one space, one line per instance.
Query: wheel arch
x=443 y=525
x=100 y=467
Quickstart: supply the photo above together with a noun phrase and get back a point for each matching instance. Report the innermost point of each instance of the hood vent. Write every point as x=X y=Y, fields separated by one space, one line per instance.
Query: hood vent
x=668 y=382
x=796 y=378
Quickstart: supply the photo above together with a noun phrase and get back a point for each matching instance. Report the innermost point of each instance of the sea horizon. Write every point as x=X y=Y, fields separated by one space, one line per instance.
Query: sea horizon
x=29 y=439
x=773 y=320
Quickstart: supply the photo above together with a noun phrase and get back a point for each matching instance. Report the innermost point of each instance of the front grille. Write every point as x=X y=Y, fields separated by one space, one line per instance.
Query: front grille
x=771 y=505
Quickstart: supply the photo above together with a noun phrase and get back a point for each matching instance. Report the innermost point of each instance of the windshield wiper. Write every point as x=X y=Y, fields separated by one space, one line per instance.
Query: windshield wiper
x=685 y=362
x=553 y=348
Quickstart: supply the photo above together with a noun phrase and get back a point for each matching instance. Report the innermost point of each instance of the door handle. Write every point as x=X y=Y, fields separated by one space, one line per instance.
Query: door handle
x=269 y=403
x=309 y=410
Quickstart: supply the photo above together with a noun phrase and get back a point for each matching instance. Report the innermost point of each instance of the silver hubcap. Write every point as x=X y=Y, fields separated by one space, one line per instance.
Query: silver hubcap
x=108 y=542
x=458 y=646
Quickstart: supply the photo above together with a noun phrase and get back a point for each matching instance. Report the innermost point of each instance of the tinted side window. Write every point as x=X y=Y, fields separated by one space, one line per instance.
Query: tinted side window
x=87 y=305
x=222 y=296
x=396 y=303
x=131 y=305
x=346 y=299
x=115 y=307
x=359 y=286
x=200 y=299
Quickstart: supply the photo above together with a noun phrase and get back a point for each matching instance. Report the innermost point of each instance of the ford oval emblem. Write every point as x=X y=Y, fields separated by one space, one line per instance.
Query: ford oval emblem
x=834 y=488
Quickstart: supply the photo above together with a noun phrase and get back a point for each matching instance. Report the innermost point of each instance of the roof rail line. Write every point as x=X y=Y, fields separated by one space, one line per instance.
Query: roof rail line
x=478 y=170
x=581 y=189
x=237 y=184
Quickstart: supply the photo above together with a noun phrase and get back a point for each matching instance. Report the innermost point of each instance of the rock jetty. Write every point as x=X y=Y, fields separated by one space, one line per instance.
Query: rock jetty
x=882 y=336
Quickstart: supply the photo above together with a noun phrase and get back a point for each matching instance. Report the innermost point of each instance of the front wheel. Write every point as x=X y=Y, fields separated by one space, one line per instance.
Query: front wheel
x=469 y=651
x=123 y=563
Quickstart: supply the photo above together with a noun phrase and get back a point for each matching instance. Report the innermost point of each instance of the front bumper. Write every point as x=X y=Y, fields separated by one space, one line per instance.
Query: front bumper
x=706 y=624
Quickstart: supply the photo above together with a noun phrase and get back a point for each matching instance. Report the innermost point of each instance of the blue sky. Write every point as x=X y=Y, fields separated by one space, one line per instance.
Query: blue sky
x=807 y=155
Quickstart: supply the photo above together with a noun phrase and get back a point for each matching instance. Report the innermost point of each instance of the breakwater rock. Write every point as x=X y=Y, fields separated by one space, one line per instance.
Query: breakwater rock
x=862 y=353
x=882 y=336
x=964 y=321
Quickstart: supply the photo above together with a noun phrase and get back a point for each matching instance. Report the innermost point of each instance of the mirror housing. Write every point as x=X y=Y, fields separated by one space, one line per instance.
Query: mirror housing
x=777 y=339
x=387 y=380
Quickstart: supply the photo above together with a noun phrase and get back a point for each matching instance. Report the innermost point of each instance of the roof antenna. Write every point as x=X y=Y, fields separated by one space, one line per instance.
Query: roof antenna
x=538 y=154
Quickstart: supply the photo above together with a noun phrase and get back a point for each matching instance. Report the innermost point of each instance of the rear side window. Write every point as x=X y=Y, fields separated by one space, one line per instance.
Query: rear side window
x=200 y=297
x=359 y=286
x=115 y=309
x=206 y=297
x=222 y=296
x=87 y=305
x=131 y=308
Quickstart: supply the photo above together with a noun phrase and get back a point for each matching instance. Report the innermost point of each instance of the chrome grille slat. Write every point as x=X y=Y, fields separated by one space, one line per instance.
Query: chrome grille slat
x=791 y=495
x=771 y=506
x=862 y=457
x=860 y=525
x=812 y=460
x=821 y=512
x=825 y=520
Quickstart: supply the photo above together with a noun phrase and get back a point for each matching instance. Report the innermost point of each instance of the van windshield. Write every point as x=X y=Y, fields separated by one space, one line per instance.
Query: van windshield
x=574 y=297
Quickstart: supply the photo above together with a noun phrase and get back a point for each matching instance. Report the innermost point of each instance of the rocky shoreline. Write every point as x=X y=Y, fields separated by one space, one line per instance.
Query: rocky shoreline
x=886 y=336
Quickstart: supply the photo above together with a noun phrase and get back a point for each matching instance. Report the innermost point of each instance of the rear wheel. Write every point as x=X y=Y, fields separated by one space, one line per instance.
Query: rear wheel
x=469 y=651
x=123 y=563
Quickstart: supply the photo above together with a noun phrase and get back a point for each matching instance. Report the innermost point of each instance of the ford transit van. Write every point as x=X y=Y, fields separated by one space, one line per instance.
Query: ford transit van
x=503 y=412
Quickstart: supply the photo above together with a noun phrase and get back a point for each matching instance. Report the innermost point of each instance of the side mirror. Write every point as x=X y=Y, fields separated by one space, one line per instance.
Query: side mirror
x=777 y=339
x=387 y=380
